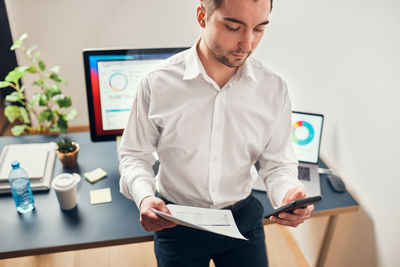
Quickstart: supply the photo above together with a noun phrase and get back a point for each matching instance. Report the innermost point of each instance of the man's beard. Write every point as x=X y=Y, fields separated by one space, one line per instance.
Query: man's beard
x=225 y=60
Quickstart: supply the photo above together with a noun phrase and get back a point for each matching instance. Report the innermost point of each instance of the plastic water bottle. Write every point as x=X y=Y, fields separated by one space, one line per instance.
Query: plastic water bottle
x=21 y=188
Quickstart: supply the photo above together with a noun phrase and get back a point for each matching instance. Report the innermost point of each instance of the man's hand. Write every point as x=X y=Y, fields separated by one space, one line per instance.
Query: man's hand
x=299 y=215
x=151 y=221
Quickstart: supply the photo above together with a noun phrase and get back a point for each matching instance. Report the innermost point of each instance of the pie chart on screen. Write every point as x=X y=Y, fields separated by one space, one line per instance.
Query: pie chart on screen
x=302 y=133
x=118 y=81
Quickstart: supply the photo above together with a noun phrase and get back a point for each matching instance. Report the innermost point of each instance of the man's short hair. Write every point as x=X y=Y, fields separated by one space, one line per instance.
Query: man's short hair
x=211 y=5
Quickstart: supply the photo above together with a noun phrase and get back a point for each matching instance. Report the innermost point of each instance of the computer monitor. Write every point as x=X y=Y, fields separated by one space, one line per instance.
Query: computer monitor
x=112 y=78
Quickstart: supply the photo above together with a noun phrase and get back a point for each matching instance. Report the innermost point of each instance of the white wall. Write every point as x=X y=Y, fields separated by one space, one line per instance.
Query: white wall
x=62 y=29
x=340 y=58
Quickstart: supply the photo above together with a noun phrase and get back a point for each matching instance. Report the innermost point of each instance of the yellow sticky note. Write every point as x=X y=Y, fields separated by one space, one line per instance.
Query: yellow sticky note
x=100 y=196
x=95 y=175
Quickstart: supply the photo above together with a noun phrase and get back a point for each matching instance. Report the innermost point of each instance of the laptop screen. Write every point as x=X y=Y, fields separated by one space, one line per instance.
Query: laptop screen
x=306 y=135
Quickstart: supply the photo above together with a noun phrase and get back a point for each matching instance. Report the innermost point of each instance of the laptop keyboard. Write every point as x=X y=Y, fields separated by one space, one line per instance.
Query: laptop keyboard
x=304 y=173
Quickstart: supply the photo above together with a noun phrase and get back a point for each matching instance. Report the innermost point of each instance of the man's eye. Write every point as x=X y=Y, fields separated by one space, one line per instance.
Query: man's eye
x=259 y=29
x=232 y=29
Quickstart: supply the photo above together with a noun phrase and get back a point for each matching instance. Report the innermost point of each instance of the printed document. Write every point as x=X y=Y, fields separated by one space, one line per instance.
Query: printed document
x=212 y=220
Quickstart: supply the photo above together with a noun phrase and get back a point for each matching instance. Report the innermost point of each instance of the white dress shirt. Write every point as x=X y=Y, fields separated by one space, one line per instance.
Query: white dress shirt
x=208 y=138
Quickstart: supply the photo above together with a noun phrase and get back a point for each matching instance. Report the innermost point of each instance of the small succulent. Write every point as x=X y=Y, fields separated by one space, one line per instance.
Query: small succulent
x=66 y=145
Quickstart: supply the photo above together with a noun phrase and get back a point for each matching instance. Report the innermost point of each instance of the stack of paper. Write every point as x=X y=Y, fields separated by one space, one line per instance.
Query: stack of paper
x=36 y=159
x=211 y=220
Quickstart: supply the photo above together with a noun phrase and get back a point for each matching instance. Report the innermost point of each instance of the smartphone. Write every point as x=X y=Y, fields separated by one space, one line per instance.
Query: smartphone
x=301 y=203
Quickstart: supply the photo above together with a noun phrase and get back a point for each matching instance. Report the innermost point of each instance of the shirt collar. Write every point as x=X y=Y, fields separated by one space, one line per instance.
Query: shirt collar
x=247 y=70
x=192 y=63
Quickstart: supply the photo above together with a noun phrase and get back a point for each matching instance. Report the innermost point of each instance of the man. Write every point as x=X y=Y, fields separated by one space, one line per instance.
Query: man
x=210 y=113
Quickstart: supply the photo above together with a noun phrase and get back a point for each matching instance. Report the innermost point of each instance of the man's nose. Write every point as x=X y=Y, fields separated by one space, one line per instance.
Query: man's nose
x=245 y=43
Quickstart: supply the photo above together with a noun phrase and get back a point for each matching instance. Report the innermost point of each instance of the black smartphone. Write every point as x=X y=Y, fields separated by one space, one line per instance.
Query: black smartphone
x=294 y=205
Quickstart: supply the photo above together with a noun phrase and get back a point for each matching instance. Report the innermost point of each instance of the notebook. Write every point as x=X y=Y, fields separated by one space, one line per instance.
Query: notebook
x=306 y=139
x=32 y=158
x=37 y=184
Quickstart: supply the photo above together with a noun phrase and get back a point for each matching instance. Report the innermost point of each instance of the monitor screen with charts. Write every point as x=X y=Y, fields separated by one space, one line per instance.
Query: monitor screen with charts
x=112 y=78
x=306 y=135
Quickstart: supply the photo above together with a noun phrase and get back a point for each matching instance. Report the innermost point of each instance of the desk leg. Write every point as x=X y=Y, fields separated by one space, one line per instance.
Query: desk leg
x=323 y=253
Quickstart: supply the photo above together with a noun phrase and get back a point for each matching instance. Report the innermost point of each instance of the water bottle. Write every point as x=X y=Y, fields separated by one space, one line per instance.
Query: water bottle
x=21 y=188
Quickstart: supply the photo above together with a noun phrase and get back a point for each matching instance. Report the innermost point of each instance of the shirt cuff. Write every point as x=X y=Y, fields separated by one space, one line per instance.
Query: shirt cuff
x=141 y=189
x=279 y=193
x=138 y=197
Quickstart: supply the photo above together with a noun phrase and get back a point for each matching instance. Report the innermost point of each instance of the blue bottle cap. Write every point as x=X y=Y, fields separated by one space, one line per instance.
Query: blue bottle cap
x=15 y=164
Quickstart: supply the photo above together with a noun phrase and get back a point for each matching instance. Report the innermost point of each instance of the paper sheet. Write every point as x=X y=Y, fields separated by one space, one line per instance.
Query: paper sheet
x=212 y=220
x=95 y=175
x=100 y=196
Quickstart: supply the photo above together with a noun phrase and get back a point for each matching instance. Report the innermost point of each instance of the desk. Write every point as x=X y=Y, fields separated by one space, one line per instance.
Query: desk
x=49 y=229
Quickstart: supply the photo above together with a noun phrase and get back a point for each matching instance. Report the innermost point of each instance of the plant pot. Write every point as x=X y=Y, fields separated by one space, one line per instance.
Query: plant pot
x=69 y=160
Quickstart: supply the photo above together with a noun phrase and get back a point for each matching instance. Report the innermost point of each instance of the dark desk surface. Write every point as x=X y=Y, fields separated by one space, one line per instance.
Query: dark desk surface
x=49 y=229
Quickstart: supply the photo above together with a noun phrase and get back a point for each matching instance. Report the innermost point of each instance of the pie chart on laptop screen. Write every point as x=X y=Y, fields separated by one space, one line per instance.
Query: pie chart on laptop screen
x=302 y=133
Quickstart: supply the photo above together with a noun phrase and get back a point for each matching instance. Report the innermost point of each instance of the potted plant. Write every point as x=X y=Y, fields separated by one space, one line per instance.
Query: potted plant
x=47 y=106
x=67 y=152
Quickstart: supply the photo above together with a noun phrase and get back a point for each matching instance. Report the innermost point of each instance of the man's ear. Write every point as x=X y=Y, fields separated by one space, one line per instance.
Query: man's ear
x=201 y=16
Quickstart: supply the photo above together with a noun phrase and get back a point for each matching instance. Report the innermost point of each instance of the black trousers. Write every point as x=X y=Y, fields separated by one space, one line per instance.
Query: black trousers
x=184 y=246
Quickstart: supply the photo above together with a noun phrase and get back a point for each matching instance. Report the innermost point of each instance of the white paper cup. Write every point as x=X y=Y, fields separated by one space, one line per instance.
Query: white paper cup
x=65 y=187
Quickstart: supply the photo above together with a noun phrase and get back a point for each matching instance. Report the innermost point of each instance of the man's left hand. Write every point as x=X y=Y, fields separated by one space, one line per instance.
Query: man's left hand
x=297 y=216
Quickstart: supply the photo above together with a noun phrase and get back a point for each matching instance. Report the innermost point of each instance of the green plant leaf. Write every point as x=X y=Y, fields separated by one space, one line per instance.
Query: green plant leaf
x=66 y=145
x=15 y=97
x=31 y=69
x=12 y=113
x=23 y=36
x=55 y=77
x=38 y=82
x=16 y=44
x=46 y=115
x=71 y=114
x=14 y=76
x=30 y=50
x=42 y=66
x=17 y=130
x=40 y=99
x=62 y=101
x=62 y=123
x=19 y=43
x=4 y=84
x=24 y=115
x=52 y=90
x=30 y=105
x=55 y=69
x=37 y=55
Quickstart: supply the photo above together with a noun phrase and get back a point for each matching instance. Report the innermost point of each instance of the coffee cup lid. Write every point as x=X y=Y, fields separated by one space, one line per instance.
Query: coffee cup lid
x=64 y=181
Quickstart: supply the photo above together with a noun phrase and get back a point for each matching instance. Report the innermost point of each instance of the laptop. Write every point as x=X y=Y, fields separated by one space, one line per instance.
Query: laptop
x=306 y=139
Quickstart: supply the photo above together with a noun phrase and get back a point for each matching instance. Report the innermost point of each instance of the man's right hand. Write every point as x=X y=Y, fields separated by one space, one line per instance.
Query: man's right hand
x=150 y=220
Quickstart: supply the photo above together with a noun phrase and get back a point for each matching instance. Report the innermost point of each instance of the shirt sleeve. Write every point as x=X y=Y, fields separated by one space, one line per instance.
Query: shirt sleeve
x=278 y=162
x=135 y=152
